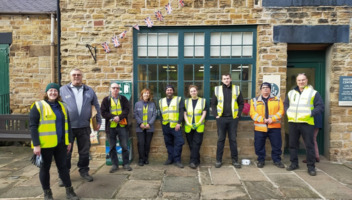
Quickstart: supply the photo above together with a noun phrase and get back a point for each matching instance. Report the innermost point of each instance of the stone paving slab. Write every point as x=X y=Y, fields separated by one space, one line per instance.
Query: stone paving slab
x=139 y=189
x=340 y=172
x=331 y=189
x=180 y=195
x=204 y=175
x=226 y=175
x=147 y=174
x=181 y=184
x=251 y=174
x=18 y=192
x=172 y=170
x=262 y=190
x=223 y=192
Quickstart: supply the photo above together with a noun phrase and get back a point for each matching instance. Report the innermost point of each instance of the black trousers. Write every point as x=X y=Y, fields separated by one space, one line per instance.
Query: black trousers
x=122 y=133
x=60 y=155
x=229 y=125
x=194 y=140
x=82 y=136
x=307 y=132
x=144 y=140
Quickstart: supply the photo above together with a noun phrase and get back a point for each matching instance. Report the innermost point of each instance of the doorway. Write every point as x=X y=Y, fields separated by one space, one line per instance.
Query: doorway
x=312 y=63
x=4 y=79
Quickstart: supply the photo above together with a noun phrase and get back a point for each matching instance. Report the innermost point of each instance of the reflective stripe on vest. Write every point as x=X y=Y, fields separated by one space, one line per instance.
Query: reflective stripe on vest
x=197 y=112
x=145 y=115
x=219 y=93
x=47 y=126
x=170 y=113
x=301 y=106
x=115 y=110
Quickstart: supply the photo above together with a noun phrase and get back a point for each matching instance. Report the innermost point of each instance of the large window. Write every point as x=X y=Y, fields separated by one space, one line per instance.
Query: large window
x=182 y=56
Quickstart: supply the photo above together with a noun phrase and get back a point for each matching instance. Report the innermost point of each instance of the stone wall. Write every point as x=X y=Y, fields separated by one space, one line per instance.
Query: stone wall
x=29 y=58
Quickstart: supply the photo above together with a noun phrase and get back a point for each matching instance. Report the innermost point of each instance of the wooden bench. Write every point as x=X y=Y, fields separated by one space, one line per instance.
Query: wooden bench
x=14 y=128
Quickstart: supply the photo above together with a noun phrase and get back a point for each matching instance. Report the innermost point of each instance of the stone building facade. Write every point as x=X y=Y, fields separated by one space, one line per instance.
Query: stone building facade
x=286 y=33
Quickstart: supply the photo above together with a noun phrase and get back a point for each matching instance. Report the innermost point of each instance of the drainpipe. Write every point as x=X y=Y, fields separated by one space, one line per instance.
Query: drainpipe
x=58 y=15
x=52 y=48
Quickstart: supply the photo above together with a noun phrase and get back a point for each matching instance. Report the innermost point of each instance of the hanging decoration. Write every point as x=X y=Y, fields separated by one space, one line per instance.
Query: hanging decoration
x=159 y=16
x=123 y=34
x=106 y=47
x=149 y=22
x=136 y=27
x=168 y=8
x=181 y=3
x=115 y=41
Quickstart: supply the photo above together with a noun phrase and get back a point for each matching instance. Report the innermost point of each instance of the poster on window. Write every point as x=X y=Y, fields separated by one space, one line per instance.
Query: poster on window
x=275 y=83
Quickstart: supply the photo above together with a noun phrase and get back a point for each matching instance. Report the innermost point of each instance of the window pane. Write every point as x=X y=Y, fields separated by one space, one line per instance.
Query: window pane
x=215 y=51
x=163 y=72
x=189 y=39
x=214 y=72
x=153 y=72
x=247 y=72
x=186 y=89
x=162 y=51
x=198 y=72
x=225 y=69
x=215 y=39
x=142 y=51
x=199 y=39
x=247 y=51
x=225 y=38
x=152 y=39
x=236 y=74
x=172 y=72
x=153 y=88
x=246 y=89
x=152 y=51
x=162 y=39
x=141 y=85
x=236 y=51
x=247 y=38
x=142 y=72
x=236 y=38
x=199 y=52
x=188 y=72
x=142 y=39
x=173 y=51
x=225 y=51
x=173 y=39
x=188 y=51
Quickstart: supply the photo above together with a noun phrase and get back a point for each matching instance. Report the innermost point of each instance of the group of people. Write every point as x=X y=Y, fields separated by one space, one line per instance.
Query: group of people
x=64 y=116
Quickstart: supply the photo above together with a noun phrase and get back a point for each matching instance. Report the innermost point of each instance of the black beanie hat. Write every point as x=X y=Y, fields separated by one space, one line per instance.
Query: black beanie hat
x=265 y=84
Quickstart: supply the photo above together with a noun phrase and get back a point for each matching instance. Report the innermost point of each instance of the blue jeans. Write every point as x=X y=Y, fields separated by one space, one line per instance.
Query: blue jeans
x=229 y=125
x=173 y=142
x=122 y=133
x=274 y=135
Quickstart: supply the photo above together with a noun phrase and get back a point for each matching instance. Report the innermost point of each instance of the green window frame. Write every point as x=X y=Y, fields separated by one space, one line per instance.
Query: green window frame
x=203 y=69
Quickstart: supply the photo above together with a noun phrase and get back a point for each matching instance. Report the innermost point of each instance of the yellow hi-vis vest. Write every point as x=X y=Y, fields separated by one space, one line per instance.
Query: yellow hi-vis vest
x=47 y=126
x=219 y=93
x=301 y=105
x=170 y=113
x=145 y=115
x=197 y=113
x=115 y=109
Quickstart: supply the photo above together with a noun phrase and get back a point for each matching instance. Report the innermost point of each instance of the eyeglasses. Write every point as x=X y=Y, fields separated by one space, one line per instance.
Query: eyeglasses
x=76 y=75
x=115 y=88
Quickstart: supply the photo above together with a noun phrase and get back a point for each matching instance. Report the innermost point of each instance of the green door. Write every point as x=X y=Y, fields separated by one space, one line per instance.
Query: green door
x=312 y=63
x=4 y=79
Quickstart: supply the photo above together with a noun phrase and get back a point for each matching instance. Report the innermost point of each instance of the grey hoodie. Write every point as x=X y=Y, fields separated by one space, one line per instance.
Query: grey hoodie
x=89 y=99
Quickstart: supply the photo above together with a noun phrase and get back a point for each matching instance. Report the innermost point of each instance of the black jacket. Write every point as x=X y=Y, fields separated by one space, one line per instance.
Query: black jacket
x=227 y=112
x=105 y=110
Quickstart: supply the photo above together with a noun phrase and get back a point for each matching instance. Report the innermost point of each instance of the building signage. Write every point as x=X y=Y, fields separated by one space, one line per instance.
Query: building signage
x=275 y=83
x=345 y=91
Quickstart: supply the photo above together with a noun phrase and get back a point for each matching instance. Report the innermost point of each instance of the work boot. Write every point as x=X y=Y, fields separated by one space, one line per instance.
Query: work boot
x=127 y=167
x=48 y=195
x=178 y=164
x=260 y=164
x=192 y=165
x=292 y=167
x=236 y=164
x=86 y=176
x=218 y=164
x=70 y=194
x=279 y=164
x=168 y=162
x=114 y=168
x=312 y=171
x=141 y=163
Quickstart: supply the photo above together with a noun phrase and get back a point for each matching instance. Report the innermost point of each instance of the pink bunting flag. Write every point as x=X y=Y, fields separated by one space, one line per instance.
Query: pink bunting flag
x=159 y=16
x=181 y=3
x=106 y=47
x=115 y=41
x=168 y=8
x=136 y=27
x=149 y=22
x=123 y=34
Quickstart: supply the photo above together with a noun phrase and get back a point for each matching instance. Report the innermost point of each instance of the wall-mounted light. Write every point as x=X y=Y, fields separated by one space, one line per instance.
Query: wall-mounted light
x=27 y=18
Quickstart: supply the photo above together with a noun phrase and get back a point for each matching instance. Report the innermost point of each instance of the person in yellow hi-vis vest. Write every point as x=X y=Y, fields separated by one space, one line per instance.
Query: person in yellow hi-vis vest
x=195 y=112
x=145 y=114
x=227 y=104
x=301 y=105
x=52 y=137
x=171 y=108
x=115 y=109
